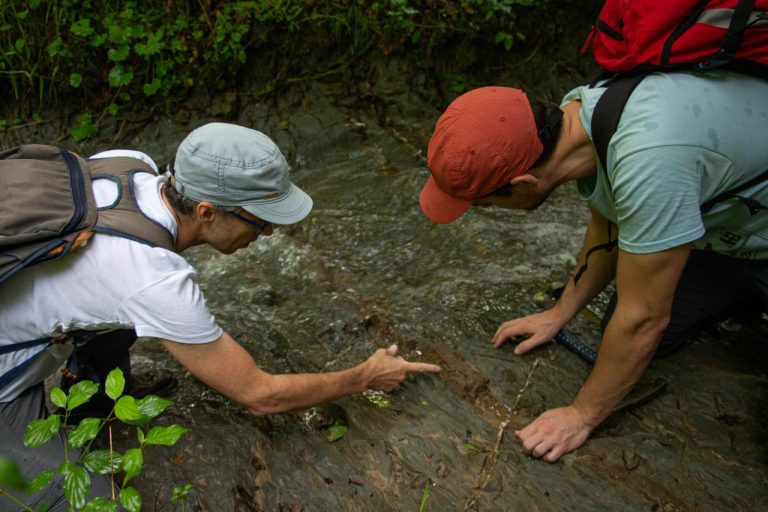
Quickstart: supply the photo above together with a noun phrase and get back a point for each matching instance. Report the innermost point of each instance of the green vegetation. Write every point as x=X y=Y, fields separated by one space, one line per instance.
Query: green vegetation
x=425 y=497
x=100 y=58
x=76 y=472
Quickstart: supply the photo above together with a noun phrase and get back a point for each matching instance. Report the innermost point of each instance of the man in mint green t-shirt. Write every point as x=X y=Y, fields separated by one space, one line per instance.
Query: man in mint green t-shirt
x=683 y=139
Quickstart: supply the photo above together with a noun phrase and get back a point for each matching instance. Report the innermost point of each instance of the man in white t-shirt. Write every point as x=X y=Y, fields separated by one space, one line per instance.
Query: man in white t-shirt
x=228 y=185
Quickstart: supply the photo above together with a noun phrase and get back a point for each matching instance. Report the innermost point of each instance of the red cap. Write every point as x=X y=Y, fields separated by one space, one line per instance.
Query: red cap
x=484 y=138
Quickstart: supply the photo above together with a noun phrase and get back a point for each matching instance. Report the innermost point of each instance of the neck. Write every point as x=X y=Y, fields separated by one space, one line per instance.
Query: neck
x=184 y=231
x=574 y=155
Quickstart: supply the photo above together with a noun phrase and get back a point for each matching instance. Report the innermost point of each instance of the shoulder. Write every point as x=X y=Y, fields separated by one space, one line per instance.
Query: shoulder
x=136 y=260
x=114 y=153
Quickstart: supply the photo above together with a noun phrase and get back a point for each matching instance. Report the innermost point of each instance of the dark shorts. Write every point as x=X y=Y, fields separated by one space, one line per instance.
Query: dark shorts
x=712 y=288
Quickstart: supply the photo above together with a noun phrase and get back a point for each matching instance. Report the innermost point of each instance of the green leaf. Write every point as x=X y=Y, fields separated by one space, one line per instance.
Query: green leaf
x=82 y=28
x=54 y=48
x=127 y=410
x=112 y=110
x=83 y=131
x=85 y=431
x=77 y=483
x=152 y=87
x=378 y=398
x=118 y=34
x=115 y=384
x=40 y=482
x=98 y=40
x=140 y=434
x=103 y=461
x=165 y=435
x=81 y=392
x=118 y=77
x=153 y=45
x=58 y=397
x=130 y=499
x=19 y=45
x=100 y=504
x=180 y=493
x=119 y=54
x=133 y=461
x=336 y=432
x=75 y=79
x=152 y=405
x=43 y=508
x=424 y=497
x=40 y=431
x=10 y=476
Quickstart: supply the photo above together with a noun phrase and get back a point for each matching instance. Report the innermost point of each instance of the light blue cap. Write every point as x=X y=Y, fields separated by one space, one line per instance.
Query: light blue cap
x=231 y=165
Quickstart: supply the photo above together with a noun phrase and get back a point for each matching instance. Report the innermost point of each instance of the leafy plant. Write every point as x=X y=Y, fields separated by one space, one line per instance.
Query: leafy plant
x=128 y=51
x=337 y=431
x=77 y=471
x=180 y=494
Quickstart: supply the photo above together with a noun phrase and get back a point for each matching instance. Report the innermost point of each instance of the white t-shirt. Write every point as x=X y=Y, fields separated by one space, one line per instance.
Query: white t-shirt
x=113 y=283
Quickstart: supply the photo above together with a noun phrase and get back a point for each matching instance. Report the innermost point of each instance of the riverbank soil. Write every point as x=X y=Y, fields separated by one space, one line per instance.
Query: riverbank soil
x=366 y=269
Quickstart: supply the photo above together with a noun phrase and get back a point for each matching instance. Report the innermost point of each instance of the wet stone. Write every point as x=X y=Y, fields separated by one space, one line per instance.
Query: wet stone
x=366 y=270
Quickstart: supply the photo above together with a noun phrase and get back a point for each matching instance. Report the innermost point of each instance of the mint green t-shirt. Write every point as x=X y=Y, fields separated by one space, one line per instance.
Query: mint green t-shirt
x=684 y=138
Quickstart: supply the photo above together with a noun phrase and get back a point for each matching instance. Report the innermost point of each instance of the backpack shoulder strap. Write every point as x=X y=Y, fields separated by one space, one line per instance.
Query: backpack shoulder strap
x=733 y=36
x=751 y=204
x=46 y=205
x=605 y=121
x=607 y=113
x=124 y=217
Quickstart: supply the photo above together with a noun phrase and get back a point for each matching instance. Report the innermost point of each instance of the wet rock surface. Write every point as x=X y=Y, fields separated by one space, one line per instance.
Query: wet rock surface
x=367 y=269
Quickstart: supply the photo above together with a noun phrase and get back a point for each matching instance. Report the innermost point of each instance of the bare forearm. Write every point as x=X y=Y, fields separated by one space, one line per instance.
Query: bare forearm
x=237 y=376
x=228 y=368
x=287 y=392
x=645 y=284
x=593 y=271
x=627 y=348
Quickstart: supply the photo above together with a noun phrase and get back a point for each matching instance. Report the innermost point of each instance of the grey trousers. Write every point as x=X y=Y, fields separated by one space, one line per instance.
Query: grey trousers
x=14 y=418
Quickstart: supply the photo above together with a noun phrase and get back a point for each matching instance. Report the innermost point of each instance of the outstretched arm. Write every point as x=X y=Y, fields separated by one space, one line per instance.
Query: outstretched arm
x=601 y=267
x=645 y=285
x=228 y=368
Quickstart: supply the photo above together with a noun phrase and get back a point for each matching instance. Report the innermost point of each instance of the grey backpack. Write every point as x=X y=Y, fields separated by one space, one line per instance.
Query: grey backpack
x=47 y=208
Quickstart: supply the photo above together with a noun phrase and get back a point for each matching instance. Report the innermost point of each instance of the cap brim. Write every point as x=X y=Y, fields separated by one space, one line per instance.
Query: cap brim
x=439 y=206
x=290 y=208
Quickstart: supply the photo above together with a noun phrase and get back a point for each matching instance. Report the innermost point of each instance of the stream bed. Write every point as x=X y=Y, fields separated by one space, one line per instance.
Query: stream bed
x=366 y=269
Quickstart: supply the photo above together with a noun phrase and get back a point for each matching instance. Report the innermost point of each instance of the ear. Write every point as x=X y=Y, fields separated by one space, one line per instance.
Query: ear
x=524 y=178
x=206 y=212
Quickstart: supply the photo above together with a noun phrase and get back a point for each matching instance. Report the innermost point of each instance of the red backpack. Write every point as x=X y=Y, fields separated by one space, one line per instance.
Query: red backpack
x=688 y=34
x=632 y=38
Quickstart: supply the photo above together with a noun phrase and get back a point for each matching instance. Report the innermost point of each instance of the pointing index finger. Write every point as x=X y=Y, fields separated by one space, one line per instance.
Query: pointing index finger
x=422 y=367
